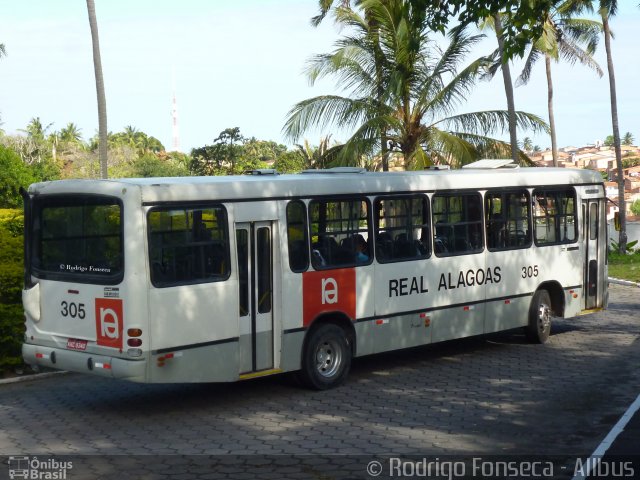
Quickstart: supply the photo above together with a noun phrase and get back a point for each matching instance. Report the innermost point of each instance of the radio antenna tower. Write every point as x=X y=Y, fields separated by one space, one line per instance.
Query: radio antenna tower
x=174 y=115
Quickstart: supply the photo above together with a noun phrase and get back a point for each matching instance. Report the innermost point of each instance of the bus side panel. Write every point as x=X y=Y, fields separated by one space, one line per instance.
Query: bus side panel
x=291 y=318
x=400 y=288
x=458 y=296
x=508 y=296
x=198 y=325
x=209 y=363
x=561 y=264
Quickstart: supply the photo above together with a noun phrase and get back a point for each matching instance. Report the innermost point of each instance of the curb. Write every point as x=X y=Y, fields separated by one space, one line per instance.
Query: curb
x=626 y=283
x=29 y=378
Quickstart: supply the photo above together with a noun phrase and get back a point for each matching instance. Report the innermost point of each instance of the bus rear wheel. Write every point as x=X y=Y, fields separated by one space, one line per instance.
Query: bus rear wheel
x=326 y=358
x=540 y=315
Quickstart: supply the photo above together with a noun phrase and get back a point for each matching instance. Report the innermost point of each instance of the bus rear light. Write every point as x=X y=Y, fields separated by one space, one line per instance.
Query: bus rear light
x=134 y=332
x=134 y=342
x=134 y=352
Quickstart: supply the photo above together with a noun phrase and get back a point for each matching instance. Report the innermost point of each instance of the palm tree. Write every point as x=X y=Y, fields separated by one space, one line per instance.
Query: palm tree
x=131 y=136
x=370 y=28
x=562 y=36
x=527 y=144
x=102 y=102
x=422 y=88
x=628 y=139
x=317 y=157
x=607 y=10
x=36 y=130
x=495 y=22
x=71 y=134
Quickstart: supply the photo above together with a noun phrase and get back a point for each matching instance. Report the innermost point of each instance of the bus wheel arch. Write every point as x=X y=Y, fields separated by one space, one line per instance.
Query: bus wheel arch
x=327 y=350
x=541 y=313
x=556 y=295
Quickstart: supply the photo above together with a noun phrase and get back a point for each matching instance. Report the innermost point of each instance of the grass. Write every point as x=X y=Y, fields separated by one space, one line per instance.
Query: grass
x=625 y=267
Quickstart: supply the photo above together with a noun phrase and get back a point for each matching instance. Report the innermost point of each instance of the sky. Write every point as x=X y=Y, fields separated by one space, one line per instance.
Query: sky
x=240 y=63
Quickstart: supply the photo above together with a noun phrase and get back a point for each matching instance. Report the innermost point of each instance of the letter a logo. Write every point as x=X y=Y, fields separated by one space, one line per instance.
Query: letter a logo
x=329 y=291
x=333 y=291
x=109 y=321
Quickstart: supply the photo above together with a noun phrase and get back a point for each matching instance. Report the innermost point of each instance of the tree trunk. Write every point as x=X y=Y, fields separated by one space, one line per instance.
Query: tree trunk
x=508 y=89
x=622 y=239
x=102 y=102
x=552 y=121
x=378 y=59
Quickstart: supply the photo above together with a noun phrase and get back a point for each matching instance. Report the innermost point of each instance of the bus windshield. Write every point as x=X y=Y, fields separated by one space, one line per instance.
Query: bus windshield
x=77 y=238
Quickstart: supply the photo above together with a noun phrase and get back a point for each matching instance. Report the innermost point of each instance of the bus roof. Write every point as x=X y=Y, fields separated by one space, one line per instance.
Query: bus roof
x=269 y=186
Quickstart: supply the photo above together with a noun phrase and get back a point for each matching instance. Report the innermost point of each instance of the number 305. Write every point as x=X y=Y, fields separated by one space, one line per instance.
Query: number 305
x=72 y=310
x=530 y=271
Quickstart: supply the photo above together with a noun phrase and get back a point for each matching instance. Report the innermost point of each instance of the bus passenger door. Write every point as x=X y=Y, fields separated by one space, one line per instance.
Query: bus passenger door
x=255 y=272
x=593 y=228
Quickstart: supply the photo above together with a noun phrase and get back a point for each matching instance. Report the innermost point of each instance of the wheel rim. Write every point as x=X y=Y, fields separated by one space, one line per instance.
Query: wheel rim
x=328 y=358
x=544 y=317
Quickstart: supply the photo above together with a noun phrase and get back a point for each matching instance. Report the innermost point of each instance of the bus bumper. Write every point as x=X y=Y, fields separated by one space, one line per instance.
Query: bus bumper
x=84 y=362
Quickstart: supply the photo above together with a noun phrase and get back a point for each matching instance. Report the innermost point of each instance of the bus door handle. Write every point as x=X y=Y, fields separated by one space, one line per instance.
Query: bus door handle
x=570 y=249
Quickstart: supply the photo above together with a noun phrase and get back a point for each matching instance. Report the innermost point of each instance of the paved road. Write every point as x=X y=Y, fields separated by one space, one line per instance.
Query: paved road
x=495 y=395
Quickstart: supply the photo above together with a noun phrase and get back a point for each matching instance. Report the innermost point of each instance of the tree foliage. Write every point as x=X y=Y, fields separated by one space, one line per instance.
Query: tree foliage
x=521 y=18
x=11 y=278
x=233 y=154
x=423 y=88
x=13 y=175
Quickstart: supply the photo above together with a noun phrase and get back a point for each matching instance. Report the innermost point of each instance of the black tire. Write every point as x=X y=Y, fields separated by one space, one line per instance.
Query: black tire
x=540 y=315
x=326 y=358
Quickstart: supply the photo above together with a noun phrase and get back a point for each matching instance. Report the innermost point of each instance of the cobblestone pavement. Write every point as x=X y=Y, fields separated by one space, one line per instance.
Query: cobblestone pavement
x=480 y=396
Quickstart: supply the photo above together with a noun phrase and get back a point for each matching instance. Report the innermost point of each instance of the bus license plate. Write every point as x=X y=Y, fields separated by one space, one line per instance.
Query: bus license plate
x=75 y=344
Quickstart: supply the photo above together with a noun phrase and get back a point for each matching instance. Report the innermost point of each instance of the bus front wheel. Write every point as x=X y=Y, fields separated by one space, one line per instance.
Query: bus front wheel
x=540 y=314
x=327 y=357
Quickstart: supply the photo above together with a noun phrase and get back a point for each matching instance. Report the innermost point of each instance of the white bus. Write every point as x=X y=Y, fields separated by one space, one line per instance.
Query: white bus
x=217 y=279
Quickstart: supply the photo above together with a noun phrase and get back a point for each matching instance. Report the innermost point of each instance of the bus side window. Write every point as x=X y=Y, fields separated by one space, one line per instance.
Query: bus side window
x=507 y=217
x=555 y=220
x=297 y=236
x=188 y=245
x=458 y=223
x=402 y=228
x=339 y=232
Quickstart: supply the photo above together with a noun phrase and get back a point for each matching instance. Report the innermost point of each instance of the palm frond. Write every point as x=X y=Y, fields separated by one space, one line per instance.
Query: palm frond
x=453 y=94
x=525 y=75
x=493 y=121
x=493 y=148
x=448 y=147
x=572 y=53
x=583 y=32
x=326 y=110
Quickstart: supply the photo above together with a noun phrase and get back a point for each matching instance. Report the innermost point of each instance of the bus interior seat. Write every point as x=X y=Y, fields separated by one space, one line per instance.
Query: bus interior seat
x=384 y=245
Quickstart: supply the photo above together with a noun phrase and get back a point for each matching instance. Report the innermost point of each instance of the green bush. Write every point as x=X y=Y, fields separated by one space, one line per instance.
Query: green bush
x=13 y=175
x=11 y=279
